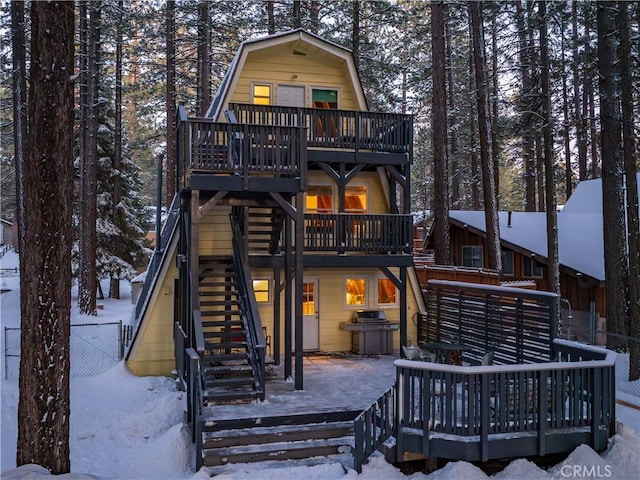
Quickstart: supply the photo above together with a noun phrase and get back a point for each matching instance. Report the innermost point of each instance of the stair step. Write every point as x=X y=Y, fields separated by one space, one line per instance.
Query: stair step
x=217 y=313
x=228 y=370
x=225 y=345
x=222 y=333
x=344 y=459
x=218 y=293
x=220 y=303
x=228 y=357
x=277 y=451
x=212 y=381
x=280 y=433
x=225 y=395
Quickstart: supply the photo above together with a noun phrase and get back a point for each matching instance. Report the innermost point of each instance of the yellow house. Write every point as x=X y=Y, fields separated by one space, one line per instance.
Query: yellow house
x=292 y=218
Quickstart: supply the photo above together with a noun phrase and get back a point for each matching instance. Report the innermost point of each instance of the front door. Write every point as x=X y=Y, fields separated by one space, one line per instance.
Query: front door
x=310 y=316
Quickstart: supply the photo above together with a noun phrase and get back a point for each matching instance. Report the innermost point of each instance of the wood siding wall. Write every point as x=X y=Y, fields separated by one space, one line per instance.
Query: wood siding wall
x=278 y=65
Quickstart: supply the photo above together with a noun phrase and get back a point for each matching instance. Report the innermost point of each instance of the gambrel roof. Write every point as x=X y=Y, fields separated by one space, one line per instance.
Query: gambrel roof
x=301 y=42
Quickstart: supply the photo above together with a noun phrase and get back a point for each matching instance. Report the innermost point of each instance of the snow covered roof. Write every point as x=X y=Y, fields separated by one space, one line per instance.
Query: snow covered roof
x=580 y=230
x=587 y=197
x=580 y=242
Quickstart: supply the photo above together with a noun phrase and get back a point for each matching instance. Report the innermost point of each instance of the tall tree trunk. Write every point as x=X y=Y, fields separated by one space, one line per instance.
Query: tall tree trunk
x=540 y=183
x=553 y=263
x=473 y=144
x=495 y=132
x=204 y=57
x=439 y=109
x=271 y=19
x=297 y=15
x=581 y=134
x=615 y=248
x=565 y=117
x=633 y=223
x=87 y=283
x=355 y=33
x=526 y=108
x=314 y=14
x=45 y=279
x=453 y=127
x=114 y=284
x=171 y=102
x=19 y=77
x=488 y=183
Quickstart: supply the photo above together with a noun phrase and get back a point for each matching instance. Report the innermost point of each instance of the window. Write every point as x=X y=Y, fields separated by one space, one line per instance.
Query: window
x=355 y=200
x=386 y=293
x=356 y=289
x=507 y=262
x=319 y=199
x=262 y=94
x=324 y=98
x=531 y=268
x=472 y=256
x=261 y=290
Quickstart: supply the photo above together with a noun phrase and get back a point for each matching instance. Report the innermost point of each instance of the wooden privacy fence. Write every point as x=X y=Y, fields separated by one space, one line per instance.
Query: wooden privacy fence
x=518 y=325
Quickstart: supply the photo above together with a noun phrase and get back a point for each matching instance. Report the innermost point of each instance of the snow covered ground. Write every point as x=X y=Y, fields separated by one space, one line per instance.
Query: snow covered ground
x=128 y=427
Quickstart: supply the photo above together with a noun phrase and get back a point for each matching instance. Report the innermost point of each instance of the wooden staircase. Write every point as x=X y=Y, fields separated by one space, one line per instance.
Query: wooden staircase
x=287 y=440
x=264 y=226
x=227 y=373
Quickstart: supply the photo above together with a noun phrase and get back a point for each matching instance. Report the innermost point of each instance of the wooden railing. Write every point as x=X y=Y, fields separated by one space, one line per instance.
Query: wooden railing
x=343 y=232
x=482 y=404
x=342 y=129
x=239 y=149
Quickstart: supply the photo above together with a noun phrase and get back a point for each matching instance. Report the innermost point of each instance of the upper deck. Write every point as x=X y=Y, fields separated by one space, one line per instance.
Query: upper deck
x=270 y=148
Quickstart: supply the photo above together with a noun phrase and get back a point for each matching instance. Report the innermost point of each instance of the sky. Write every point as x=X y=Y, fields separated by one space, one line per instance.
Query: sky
x=128 y=427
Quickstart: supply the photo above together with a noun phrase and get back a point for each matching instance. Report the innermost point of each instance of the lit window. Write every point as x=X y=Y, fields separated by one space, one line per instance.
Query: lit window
x=261 y=290
x=355 y=200
x=386 y=293
x=319 y=200
x=262 y=94
x=308 y=298
x=531 y=268
x=356 y=291
x=507 y=262
x=472 y=256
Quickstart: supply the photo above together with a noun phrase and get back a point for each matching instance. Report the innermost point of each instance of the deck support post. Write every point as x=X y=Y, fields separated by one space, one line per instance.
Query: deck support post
x=299 y=271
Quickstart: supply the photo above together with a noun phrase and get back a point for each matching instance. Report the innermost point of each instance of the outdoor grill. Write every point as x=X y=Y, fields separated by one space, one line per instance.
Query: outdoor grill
x=372 y=333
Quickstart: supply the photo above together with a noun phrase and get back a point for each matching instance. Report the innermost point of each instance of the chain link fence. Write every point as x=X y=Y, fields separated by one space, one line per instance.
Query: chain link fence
x=599 y=338
x=95 y=347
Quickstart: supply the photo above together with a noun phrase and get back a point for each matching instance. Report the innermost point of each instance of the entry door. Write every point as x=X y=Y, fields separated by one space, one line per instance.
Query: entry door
x=310 y=317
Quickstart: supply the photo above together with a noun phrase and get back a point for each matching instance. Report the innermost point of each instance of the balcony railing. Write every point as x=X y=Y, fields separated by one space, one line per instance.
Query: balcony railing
x=344 y=232
x=341 y=129
x=239 y=149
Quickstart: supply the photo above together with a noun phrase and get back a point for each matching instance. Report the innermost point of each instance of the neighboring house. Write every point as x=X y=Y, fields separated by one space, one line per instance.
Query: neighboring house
x=6 y=232
x=524 y=249
x=293 y=214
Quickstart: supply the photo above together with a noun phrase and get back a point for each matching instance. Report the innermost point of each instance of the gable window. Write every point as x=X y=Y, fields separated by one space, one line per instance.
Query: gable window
x=356 y=292
x=507 y=262
x=261 y=290
x=319 y=199
x=386 y=292
x=355 y=200
x=261 y=94
x=324 y=98
x=472 y=256
x=531 y=268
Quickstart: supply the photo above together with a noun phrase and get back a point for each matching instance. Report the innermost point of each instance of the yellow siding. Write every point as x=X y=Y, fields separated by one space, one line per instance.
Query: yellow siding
x=153 y=352
x=279 y=65
x=215 y=233
x=332 y=310
x=377 y=203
